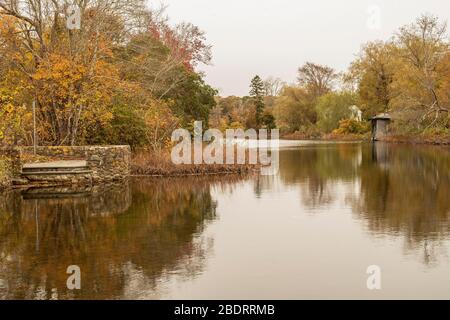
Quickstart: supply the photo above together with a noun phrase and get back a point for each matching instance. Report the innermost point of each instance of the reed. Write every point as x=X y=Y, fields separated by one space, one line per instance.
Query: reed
x=159 y=163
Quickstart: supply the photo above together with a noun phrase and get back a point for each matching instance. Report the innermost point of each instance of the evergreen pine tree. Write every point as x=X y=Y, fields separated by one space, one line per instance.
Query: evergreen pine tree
x=257 y=93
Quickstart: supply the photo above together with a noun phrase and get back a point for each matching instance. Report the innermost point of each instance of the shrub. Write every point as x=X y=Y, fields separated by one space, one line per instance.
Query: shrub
x=352 y=126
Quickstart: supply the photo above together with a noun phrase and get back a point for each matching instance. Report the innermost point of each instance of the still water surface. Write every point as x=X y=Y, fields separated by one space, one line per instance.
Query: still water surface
x=309 y=232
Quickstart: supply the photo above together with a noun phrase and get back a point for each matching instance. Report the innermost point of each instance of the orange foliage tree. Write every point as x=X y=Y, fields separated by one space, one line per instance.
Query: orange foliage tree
x=121 y=54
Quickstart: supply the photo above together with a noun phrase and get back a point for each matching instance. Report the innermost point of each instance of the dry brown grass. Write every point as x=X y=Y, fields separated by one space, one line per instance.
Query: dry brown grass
x=346 y=137
x=159 y=163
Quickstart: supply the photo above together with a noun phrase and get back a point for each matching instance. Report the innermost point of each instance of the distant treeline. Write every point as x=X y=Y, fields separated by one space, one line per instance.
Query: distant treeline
x=407 y=76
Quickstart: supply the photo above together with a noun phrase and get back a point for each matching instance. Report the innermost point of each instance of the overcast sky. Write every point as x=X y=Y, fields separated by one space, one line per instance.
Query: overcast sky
x=275 y=37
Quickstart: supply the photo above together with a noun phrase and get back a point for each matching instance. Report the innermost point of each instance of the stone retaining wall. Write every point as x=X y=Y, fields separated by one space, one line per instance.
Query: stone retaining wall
x=5 y=172
x=8 y=166
x=13 y=156
x=107 y=163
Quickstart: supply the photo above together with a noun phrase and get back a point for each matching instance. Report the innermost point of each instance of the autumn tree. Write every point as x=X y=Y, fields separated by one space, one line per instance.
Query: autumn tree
x=273 y=86
x=124 y=62
x=373 y=72
x=408 y=76
x=293 y=110
x=67 y=72
x=316 y=79
x=15 y=120
x=234 y=112
x=423 y=79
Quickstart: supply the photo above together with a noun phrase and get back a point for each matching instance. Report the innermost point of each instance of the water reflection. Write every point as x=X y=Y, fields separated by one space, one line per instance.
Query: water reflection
x=330 y=212
x=318 y=168
x=405 y=191
x=116 y=235
x=393 y=189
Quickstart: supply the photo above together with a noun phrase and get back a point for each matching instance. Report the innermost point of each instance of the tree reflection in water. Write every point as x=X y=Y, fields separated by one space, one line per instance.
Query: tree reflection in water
x=404 y=190
x=400 y=189
x=140 y=229
x=139 y=239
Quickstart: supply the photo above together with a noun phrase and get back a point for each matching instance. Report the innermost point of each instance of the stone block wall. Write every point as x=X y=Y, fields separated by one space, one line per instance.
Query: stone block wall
x=5 y=173
x=8 y=166
x=108 y=163
x=14 y=157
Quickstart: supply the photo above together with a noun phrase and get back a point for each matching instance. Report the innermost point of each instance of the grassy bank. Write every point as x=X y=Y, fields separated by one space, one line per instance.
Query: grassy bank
x=396 y=136
x=151 y=163
x=419 y=139
x=329 y=136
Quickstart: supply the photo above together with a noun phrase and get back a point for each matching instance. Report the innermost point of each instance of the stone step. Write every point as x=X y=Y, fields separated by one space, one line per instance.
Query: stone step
x=56 y=165
x=59 y=172
x=19 y=182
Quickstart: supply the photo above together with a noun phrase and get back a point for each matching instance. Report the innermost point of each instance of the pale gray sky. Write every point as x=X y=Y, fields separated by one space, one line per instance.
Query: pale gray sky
x=275 y=37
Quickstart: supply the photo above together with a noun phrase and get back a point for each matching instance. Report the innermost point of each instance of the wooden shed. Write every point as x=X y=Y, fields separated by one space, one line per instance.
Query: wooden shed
x=380 y=126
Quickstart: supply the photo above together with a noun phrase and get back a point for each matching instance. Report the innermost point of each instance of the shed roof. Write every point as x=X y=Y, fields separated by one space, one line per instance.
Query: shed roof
x=382 y=116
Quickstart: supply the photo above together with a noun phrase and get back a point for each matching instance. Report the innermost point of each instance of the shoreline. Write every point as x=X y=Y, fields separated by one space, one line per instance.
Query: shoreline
x=326 y=137
x=203 y=174
x=418 y=140
x=413 y=140
x=159 y=165
x=190 y=170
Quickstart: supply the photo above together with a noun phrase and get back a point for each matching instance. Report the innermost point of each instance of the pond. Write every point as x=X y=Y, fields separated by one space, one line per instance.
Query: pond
x=311 y=231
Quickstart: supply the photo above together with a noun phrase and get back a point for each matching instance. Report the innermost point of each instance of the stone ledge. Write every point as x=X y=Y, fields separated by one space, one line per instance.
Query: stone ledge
x=64 y=164
x=102 y=164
